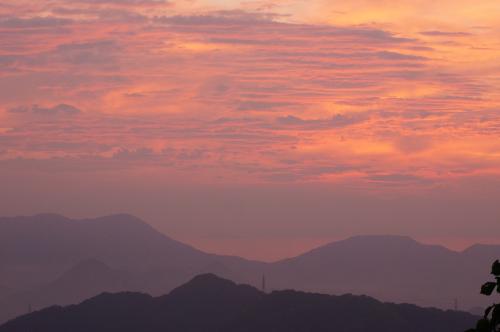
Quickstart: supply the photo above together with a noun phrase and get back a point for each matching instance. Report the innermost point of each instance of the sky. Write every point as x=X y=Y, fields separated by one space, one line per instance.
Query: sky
x=256 y=128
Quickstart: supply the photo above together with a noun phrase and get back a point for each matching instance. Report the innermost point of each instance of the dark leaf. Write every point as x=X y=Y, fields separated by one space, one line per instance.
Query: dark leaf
x=488 y=311
x=488 y=288
x=483 y=325
x=495 y=317
x=495 y=269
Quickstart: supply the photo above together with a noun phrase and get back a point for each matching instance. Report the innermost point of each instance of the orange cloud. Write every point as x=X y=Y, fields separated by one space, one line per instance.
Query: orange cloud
x=364 y=91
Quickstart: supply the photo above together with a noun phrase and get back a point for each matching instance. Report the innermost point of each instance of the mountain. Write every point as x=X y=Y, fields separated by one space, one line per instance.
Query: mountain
x=43 y=256
x=391 y=268
x=208 y=303
x=50 y=244
x=82 y=281
x=123 y=240
x=49 y=259
x=482 y=254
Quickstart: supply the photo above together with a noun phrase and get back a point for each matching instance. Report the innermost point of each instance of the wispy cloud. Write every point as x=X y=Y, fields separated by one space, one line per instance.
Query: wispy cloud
x=262 y=93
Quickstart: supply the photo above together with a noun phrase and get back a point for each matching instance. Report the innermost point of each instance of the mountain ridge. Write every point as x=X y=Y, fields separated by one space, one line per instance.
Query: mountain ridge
x=50 y=216
x=209 y=303
x=390 y=268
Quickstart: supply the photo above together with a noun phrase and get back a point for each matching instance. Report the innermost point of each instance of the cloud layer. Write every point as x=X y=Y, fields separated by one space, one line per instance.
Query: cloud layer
x=361 y=94
x=249 y=91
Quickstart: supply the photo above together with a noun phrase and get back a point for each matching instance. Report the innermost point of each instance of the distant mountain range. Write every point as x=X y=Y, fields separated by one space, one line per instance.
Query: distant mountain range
x=49 y=259
x=208 y=304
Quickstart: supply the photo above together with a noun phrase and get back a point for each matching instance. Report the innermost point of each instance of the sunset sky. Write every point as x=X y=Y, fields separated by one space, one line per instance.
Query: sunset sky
x=256 y=128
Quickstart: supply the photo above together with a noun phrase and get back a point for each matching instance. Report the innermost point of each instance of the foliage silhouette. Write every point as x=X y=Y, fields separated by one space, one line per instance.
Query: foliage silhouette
x=491 y=320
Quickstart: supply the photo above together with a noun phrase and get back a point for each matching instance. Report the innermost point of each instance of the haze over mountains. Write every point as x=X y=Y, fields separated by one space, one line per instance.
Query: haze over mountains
x=49 y=259
x=208 y=303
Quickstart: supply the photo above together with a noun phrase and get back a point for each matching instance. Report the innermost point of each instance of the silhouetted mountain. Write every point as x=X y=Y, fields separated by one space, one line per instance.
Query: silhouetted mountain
x=482 y=253
x=50 y=244
x=208 y=303
x=45 y=252
x=123 y=240
x=41 y=257
x=84 y=280
x=388 y=267
x=392 y=268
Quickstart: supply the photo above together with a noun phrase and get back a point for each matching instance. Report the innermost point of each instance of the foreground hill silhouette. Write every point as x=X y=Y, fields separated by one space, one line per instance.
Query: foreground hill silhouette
x=208 y=303
x=49 y=259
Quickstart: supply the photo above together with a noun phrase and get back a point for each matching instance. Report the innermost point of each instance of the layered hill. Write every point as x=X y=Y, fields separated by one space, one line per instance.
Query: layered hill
x=50 y=244
x=49 y=259
x=208 y=303
x=392 y=268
